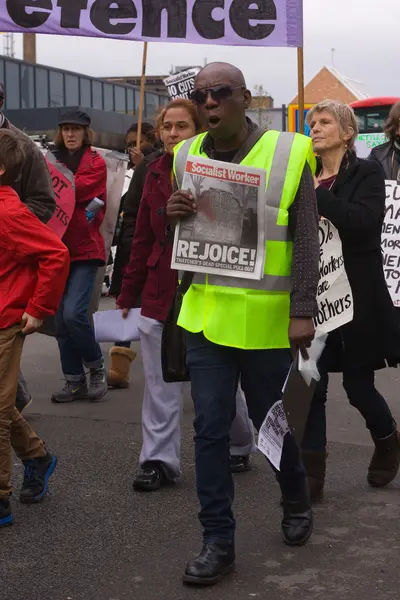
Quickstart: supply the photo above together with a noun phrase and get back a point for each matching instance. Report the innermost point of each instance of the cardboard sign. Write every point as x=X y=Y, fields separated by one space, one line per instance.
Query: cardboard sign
x=225 y=22
x=365 y=142
x=64 y=192
x=335 y=298
x=181 y=85
x=391 y=241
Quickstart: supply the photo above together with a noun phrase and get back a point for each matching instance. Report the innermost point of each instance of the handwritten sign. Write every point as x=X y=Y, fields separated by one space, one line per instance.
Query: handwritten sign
x=365 y=142
x=391 y=240
x=335 y=299
x=64 y=192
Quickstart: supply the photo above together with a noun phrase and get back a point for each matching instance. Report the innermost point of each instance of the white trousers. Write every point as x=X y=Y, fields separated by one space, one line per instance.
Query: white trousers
x=162 y=408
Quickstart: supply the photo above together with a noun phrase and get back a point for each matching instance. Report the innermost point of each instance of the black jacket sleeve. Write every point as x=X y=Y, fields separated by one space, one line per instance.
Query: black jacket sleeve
x=364 y=210
x=303 y=227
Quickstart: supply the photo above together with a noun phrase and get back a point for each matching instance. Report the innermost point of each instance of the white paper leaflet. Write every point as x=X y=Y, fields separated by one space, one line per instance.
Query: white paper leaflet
x=272 y=433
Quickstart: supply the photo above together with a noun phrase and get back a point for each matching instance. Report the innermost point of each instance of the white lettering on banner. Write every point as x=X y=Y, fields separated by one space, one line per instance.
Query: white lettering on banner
x=391 y=240
x=335 y=299
x=272 y=434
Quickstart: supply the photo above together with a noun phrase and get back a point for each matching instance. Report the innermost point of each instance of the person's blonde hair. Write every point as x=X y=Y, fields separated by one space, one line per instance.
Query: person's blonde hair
x=343 y=115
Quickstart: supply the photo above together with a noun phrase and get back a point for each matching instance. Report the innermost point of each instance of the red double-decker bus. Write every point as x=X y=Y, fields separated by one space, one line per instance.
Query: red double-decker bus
x=372 y=113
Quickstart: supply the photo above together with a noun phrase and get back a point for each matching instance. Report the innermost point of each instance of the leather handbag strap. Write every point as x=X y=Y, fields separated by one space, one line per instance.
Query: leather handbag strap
x=185 y=283
x=248 y=144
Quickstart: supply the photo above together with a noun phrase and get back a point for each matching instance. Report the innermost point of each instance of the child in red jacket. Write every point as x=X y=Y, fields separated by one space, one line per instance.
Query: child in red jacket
x=34 y=266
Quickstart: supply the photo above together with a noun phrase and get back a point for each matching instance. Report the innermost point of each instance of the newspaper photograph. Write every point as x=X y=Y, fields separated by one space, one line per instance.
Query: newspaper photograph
x=226 y=236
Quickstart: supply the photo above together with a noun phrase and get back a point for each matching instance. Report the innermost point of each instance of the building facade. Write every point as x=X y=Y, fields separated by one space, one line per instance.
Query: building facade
x=35 y=95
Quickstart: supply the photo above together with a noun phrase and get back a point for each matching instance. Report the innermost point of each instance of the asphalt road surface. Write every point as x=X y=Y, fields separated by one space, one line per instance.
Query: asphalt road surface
x=94 y=539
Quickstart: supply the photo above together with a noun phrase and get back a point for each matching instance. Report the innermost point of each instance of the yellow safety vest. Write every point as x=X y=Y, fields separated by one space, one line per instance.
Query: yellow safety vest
x=242 y=313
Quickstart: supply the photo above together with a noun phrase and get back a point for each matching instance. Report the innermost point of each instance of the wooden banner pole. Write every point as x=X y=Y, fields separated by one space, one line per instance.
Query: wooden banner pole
x=142 y=91
x=300 y=74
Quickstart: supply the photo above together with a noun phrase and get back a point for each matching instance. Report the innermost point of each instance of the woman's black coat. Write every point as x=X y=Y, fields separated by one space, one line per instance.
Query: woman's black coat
x=130 y=206
x=356 y=206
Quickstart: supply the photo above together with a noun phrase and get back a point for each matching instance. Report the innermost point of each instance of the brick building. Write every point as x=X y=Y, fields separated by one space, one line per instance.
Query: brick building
x=329 y=83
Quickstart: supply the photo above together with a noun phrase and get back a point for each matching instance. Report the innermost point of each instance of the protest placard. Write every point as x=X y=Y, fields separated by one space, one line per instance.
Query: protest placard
x=182 y=84
x=391 y=240
x=365 y=142
x=64 y=193
x=229 y=22
x=335 y=299
x=226 y=236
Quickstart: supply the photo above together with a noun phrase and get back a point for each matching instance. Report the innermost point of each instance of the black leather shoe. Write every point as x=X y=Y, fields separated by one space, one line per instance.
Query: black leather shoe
x=214 y=561
x=149 y=479
x=240 y=464
x=297 y=522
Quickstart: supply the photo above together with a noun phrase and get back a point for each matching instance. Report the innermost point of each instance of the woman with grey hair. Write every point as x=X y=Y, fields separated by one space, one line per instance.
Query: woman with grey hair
x=351 y=194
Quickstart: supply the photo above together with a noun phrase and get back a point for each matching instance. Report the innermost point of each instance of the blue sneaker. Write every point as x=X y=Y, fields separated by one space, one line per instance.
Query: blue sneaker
x=36 y=478
x=6 y=517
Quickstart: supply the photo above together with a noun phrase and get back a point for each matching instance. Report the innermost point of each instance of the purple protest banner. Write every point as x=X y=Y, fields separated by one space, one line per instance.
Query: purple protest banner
x=224 y=22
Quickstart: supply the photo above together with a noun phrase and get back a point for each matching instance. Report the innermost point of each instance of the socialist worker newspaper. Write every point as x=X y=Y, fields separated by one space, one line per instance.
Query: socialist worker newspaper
x=226 y=236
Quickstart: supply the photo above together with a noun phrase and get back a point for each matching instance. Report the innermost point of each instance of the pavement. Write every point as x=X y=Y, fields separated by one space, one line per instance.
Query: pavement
x=93 y=538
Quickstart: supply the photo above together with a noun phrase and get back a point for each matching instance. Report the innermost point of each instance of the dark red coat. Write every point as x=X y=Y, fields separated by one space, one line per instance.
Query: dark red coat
x=149 y=269
x=83 y=239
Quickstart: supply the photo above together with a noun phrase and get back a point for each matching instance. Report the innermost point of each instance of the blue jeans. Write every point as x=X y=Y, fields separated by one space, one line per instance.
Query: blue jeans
x=215 y=372
x=359 y=384
x=74 y=332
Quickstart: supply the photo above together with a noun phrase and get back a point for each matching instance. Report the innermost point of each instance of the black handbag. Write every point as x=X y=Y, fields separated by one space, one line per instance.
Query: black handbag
x=173 y=346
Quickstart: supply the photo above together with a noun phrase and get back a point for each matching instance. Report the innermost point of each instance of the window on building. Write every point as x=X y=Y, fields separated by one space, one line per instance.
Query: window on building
x=137 y=101
x=2 y=71
x=12 y=85
x=97 y=91
x=130 y=101
x=42 y=88
x=152 y=104
x=56 y=89
x=71 y=90
x=86 y=92
x=27 y=87
x=108 y=96
x=120 y=98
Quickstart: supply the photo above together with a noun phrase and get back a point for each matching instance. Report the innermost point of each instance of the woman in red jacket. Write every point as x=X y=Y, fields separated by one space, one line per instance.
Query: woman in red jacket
x=74 y=332
x=149 y=273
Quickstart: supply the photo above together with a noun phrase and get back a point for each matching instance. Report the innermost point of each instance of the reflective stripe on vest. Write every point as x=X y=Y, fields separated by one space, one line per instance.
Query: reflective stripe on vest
x=269 y=283
x=275 y=232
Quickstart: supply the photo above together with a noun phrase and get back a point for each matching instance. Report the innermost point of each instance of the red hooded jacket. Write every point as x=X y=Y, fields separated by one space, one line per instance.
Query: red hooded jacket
x=34 y=263
x=83 y=239
x=149 y=269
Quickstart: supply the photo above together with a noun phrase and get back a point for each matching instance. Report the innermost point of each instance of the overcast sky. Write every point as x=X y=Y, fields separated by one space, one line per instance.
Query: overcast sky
x=364 y=33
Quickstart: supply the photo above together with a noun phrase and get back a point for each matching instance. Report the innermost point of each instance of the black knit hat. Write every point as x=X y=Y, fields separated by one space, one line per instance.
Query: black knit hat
x=75 y=117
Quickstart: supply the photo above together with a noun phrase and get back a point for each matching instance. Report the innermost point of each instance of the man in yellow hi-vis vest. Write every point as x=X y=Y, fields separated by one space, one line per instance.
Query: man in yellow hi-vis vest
x=238 y=328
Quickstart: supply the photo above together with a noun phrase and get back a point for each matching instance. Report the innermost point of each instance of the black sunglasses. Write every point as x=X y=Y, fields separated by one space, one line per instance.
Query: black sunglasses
x=218 y=93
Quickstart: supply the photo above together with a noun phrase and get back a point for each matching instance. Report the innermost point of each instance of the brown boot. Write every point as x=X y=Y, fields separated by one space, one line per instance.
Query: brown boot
x=118 y=372
x=385 y=460
x=315 y=466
